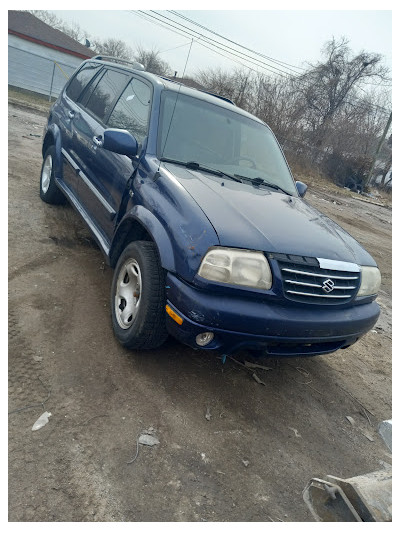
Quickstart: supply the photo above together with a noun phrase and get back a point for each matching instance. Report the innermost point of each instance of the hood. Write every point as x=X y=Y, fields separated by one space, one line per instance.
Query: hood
x=245 y=216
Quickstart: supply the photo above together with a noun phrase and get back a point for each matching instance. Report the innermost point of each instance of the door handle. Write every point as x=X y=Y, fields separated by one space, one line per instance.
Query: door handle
x=98 y=141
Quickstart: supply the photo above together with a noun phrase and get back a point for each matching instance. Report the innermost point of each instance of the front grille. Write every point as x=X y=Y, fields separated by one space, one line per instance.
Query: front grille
x=311 y=284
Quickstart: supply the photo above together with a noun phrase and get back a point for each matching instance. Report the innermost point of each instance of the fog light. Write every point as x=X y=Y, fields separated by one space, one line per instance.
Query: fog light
x=203 y=339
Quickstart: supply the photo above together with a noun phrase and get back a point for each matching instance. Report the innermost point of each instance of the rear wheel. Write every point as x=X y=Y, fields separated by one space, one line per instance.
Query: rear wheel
x=49 y=192
x=138 y=297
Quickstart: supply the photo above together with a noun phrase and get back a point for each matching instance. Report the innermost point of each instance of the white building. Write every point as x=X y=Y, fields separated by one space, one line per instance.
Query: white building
x=40 y=58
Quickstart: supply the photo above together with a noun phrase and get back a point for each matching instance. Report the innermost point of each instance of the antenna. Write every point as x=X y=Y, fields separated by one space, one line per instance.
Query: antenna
x=177 y=96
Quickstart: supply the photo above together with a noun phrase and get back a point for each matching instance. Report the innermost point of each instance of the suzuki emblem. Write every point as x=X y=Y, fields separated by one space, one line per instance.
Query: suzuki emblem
x=328 y=285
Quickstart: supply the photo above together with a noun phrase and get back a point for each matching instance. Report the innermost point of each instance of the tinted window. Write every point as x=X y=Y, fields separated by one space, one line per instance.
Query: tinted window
x=104 y=95
x=81 y=80
x=132 y=110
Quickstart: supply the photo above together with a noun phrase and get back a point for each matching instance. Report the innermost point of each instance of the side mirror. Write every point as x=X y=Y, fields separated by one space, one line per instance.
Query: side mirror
x=301 y=188
x=120 y=141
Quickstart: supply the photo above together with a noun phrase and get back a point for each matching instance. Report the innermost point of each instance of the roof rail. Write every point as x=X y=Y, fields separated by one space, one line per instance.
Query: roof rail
x=219 y=96
x=201 y=90
x=111 y=59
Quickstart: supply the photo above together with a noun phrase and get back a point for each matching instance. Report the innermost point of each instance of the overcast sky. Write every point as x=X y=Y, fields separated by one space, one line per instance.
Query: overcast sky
x=292 y=36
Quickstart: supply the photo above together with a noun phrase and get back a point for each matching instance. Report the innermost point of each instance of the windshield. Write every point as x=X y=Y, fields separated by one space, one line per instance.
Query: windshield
x=221 y=139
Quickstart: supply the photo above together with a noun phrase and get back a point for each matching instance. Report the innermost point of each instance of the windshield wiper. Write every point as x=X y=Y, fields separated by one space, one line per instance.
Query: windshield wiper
x=193 y=165
x=260 y=181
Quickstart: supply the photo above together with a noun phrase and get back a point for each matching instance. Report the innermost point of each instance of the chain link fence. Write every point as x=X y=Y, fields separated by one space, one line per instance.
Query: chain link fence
x=33 y=72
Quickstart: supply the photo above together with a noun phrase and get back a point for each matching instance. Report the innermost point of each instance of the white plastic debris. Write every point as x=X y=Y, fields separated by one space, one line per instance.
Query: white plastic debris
x=204 y=458
x=297 y=434
x=385 y=431
x=148 y=440
x=41 y=421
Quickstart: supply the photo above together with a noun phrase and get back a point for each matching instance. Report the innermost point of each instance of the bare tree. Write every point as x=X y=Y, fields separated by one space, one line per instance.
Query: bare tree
x=152 y=62
x=235 y=85
x=112 y=47
x=328 y=85
x=73 y=30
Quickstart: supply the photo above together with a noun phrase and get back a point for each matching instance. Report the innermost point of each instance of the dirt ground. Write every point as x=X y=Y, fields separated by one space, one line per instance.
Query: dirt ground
x=230 y=448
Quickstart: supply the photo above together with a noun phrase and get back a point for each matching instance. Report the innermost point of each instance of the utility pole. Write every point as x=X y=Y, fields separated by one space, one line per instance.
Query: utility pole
x=378 y=149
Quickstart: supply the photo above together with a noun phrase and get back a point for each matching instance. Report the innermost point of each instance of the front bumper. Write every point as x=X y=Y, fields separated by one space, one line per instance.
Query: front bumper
x=239 y=322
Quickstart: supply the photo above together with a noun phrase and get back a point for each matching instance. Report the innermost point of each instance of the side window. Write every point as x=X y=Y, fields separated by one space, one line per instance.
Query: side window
x=132 y=110
x=106 y=92
x=81 y=80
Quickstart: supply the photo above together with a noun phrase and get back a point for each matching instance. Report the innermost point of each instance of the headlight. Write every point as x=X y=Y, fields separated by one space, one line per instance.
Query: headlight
x=370 y=281
x=238 y=267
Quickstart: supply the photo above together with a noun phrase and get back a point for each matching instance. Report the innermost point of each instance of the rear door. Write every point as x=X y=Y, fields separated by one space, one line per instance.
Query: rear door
x=98 y=204
x=69 y=118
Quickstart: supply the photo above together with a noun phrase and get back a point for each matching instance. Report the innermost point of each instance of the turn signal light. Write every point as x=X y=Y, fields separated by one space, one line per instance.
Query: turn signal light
x=173 y=315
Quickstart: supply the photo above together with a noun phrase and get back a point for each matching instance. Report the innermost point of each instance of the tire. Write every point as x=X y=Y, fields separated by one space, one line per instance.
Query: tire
x=49 y=192
x=138 y=297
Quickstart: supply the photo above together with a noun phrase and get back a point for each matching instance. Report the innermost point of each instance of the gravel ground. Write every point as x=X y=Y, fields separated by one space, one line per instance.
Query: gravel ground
x=230 y=449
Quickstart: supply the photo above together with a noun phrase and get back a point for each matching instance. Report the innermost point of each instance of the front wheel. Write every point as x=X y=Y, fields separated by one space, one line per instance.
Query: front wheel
x=49 y=192
x=138 y=297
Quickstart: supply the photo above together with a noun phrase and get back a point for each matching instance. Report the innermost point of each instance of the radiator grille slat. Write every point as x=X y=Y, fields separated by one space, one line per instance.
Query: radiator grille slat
x=311 y=284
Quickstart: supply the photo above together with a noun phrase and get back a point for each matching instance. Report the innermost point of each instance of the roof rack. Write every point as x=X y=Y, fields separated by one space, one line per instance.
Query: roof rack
x=201 y=90
x=111 y=59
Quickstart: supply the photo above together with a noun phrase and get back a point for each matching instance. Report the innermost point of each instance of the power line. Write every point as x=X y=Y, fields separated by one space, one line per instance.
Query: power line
x=263 y=65
x=210 y=41
x=282 y=63
x=198 y=40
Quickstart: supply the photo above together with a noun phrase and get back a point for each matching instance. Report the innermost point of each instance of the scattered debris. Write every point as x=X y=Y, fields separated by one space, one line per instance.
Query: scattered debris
x=369 y=201
x=368 y=436
x=41 y=421
x=204 y=458
x=208 y=414
x=37 y=358
x=351 y=420
x=148 y=440
x=249 y=366
x=354 y=398
x=297 y=434
x=365 y=414
x=254 y=376
x=246 y=463
x=365 y=498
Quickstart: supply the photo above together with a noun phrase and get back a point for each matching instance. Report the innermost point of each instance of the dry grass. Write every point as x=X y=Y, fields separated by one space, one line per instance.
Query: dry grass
x=28 y=99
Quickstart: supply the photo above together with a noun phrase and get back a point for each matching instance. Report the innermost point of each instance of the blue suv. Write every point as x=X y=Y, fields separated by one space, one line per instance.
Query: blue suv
x=193 y=204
